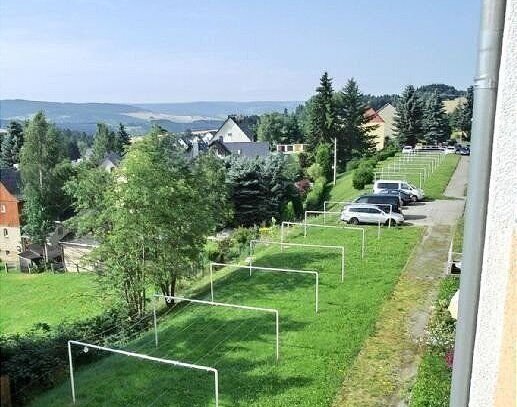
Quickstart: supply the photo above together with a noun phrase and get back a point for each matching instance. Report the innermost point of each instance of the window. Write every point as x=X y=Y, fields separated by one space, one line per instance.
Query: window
x=2 y=208
x=6 y=232
x=405 y=186
x=387 y=185
x=373 y=210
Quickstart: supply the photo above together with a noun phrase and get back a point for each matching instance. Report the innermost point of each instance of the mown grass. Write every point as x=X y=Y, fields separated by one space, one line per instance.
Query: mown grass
x=435 y=185
x=316 y=350
x=26 y=299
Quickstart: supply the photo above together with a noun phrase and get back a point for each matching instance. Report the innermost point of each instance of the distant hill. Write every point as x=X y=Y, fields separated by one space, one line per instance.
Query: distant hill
x=219 y=109
x=138 y=118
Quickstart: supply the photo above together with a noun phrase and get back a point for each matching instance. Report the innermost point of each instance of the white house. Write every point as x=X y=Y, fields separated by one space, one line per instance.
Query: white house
x=231 y=132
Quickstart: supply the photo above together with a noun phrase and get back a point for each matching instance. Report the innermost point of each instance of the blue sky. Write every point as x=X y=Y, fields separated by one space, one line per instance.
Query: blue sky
x=175 y=51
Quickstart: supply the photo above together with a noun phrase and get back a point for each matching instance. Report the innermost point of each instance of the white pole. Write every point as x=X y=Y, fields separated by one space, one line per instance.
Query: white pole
x=282 y=235
x=71 y=364
x=154 y=323
x=277 y=323
x=317 y=291
x=216 y=387
x=343 y=264
x=211 y=282
x=251 y=257
x=363 y=244
x=378 y=229
x=335 y=159
x=391 y=213
x=305 y=226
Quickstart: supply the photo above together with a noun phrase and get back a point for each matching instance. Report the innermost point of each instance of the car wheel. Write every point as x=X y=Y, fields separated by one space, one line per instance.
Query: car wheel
x=414 y=198
x=388 y=221
x=354 y=221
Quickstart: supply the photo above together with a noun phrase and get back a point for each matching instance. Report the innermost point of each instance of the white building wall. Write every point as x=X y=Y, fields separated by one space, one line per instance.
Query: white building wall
x=501 y=225
x=231 y=133
x=10 y=245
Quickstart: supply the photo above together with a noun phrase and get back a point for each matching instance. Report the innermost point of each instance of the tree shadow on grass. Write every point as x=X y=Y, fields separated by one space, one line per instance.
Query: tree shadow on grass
x=242 y=348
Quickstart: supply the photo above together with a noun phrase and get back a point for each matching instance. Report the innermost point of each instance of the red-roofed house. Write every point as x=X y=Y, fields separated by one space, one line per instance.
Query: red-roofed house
x=382 y=121
x=10 y=216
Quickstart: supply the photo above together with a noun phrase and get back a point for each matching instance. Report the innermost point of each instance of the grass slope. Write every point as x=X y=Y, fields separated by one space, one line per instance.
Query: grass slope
x=316 y=350
x=26 y=299
x=435 y=185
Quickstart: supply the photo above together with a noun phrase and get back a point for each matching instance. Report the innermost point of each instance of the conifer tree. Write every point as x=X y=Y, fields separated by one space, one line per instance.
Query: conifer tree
x=408 y=117
x=12 y=144
x=435 y=124
x=463 y=114
x=122 y=139
x=354 y=137
x=322 y=114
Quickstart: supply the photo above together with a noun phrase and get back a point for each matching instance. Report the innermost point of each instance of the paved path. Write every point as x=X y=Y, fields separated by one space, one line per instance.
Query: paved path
x=442 y=211
x=388 y=361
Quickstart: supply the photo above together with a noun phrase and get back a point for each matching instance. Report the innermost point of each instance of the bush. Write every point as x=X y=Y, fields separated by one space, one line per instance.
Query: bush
x=316 y=195
x=303 y=187
x=324 y=159
x=315 y=171
x=37 y=360
x=242 y=237
x=363 y=176
x=353 y=164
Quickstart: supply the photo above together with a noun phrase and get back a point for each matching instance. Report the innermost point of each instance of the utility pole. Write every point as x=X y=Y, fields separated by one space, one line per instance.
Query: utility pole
x=335 y=159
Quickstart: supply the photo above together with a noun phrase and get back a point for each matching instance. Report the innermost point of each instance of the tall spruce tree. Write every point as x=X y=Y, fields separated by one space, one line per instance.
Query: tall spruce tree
x=408 y=117
x=354 y=137
x=322 y=114
x=122 y=139
x=12 y=144
x=435 y=123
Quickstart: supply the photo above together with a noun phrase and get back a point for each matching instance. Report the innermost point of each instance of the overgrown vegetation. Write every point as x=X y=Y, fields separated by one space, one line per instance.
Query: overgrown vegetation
x=433 y=383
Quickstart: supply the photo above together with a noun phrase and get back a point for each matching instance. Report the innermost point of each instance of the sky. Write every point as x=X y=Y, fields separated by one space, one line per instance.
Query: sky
x=135 y=51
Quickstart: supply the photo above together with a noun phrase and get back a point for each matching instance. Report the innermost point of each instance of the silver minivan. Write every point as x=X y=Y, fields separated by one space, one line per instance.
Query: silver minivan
x=415 y=193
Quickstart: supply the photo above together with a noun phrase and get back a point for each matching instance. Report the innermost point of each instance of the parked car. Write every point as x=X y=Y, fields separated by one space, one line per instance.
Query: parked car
x=450 y=150
x=416 y=193
x=463 y=151
x=407 y=150
x=384 y=201
x=404 y=197
x=357 y=213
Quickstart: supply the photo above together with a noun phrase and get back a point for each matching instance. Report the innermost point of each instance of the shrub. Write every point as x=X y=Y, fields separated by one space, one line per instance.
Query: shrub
x=316 y=195
x=324 y=159
x=242 y=237
x=315 y=171
x=363 y=176
x=303 y=187
x=37 y=360
x=304 y=160
x=353 y=164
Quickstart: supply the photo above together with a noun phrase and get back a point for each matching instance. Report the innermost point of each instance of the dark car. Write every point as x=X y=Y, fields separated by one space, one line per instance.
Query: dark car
x=403 y=196
x=383 y=201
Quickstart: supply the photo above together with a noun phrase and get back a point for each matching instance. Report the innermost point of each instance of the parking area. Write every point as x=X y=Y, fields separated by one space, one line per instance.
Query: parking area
x=442 y=211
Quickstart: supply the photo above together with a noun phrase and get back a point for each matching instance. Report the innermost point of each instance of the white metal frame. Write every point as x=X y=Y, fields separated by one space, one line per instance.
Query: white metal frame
x=221 y=304
x=321 y=246
x=324 y=213
x=267 y=269
x=363 y=243
x=144 y=357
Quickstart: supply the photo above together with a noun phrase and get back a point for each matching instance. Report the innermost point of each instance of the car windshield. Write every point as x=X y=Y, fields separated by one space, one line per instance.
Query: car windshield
x=406 y=186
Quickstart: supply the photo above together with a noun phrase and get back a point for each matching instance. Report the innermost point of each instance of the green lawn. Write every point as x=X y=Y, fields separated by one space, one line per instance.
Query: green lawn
x=435 y=185
x=26 y=299
x=316 y=350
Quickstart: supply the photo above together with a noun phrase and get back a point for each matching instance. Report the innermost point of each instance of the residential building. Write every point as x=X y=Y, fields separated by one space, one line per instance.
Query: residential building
x=236 y=129
x=377 y=127
x=291 y=148
x=110 y=161
x=74 y=252
x=11 y=203
x=242 y=149
x=387 y=114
